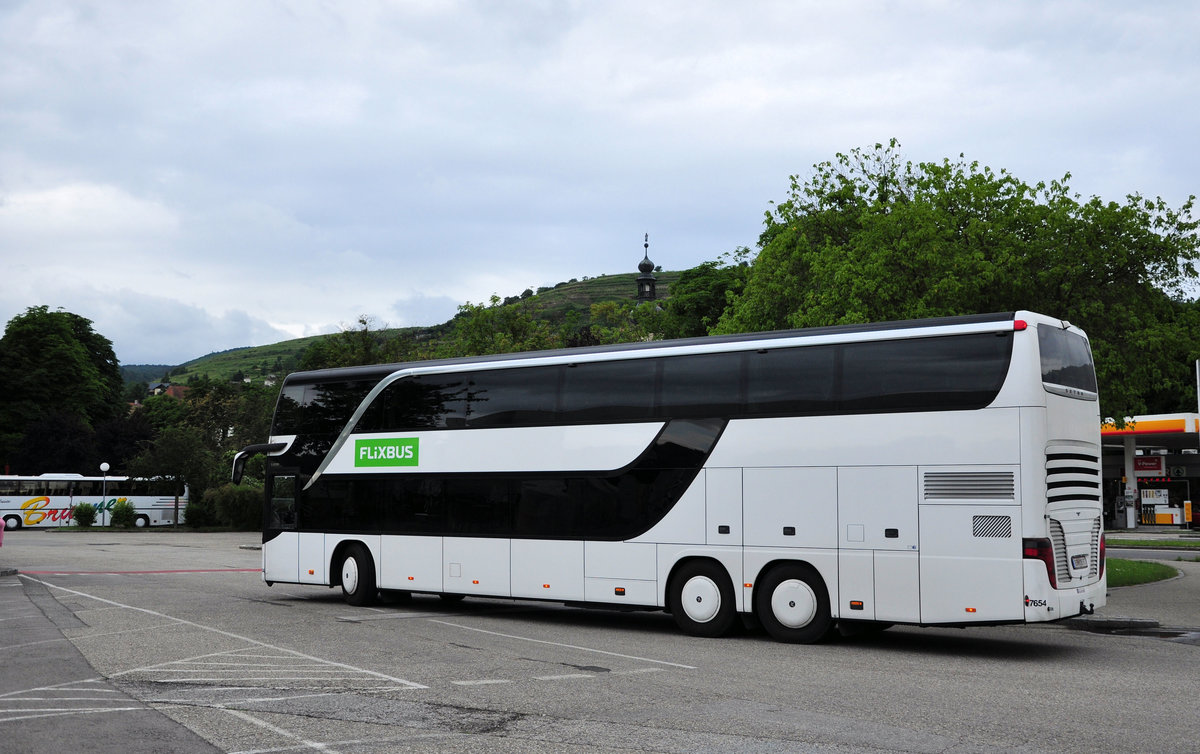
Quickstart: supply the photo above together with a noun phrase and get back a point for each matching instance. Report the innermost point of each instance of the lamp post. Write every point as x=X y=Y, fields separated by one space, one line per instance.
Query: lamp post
x=104 y=467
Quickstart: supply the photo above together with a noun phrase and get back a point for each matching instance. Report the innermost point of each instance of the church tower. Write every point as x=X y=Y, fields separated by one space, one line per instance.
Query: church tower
x=646 y=281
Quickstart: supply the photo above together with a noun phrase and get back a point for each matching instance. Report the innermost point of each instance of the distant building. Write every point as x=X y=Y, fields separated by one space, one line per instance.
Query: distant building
x=646 y=281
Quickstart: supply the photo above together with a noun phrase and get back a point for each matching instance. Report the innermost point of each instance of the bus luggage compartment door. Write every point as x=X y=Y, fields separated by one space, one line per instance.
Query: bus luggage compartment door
x=971 y=564
x=878 y=566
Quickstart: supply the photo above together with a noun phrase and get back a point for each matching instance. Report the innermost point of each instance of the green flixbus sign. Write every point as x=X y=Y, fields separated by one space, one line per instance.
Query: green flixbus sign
x=387 y=451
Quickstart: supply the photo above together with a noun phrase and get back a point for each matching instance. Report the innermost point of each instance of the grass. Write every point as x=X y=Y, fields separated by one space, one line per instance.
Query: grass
x=1130 y=572
x=1166 y=544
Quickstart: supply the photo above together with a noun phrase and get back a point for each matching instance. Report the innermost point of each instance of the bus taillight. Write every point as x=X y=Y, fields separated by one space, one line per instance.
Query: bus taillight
x=1040 y=549
x=1102 y=556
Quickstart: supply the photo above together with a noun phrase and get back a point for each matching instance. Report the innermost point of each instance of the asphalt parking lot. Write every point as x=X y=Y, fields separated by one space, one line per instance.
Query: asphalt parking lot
x=163 y=641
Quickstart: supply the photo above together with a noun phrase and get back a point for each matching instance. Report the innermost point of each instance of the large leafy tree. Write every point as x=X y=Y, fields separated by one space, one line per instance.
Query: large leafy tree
x=871 y=237
x=53 y=363
x=179 y=455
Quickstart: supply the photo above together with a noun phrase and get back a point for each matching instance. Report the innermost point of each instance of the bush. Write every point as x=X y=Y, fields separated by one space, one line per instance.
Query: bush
x=200 y=512
x=84 y=515
x=237 y=505
x=123 y=514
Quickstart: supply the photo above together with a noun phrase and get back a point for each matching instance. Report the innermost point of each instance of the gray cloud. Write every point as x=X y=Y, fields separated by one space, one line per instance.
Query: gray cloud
x=253 y=169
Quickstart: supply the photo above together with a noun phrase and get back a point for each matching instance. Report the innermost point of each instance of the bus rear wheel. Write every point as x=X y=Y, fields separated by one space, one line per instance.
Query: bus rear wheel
x=11 y=523
x=141 y=522
x=358 y=576
x=702 y=599
x=792 y=603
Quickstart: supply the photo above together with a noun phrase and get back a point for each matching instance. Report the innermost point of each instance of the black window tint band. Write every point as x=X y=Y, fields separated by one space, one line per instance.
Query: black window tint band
x=914 y=374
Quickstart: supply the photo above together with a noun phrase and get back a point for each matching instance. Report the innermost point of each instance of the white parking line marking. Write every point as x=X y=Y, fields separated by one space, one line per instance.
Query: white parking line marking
x=566 y=646
x=281 y=732
x=562 y=677
x=291 y=652
x=80 y=711
x=481 y=682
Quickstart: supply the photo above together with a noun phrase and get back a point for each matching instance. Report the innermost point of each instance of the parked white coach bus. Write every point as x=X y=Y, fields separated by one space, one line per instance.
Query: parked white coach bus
x=50 y=499
x=934 y=472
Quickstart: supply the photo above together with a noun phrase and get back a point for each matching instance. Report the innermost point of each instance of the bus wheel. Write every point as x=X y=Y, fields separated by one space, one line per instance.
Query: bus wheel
x=11 y=523
x=702 y=600
x=141 y=522
x=793 y=604
x=358 y=576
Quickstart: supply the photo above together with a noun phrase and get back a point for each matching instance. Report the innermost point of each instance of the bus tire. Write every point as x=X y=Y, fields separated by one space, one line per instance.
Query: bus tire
x=12 y=523
x=702 y=599
x=792 y=603
x=358 y=576
x=142 y=522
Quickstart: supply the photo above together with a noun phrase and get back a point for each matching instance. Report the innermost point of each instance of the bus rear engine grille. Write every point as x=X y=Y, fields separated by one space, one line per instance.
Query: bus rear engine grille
x=1072 y=476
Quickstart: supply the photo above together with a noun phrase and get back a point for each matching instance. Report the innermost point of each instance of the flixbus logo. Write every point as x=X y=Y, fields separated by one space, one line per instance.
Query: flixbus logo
x=388 y=451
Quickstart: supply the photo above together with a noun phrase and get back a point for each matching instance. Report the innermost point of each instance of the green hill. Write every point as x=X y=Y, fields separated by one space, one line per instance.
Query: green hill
x=554 y=303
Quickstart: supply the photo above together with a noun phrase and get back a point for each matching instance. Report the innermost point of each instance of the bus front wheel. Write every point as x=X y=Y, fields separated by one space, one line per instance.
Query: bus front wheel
x=358 y=576
x=142 y=522
x=793 y=604
x=11 y=523
x=702 y=599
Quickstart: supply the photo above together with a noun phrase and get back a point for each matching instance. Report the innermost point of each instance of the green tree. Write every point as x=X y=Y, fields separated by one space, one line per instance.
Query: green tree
x=162 y=411
x=480 y=329
x=179 y=455
x=870 y=237
x=355 y=346
x=54 y=363
x=699 y=297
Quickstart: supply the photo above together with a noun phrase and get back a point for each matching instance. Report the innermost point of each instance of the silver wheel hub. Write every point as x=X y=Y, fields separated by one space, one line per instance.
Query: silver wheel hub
x=794 y=603
x=350 y=575
x=701 y=599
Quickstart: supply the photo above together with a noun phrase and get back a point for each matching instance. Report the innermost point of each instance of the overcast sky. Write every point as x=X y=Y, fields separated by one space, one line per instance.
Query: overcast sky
x=198 y=176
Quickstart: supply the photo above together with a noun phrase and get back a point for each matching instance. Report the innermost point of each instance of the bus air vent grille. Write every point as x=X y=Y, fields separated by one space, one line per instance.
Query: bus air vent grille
x=1058 y=541
x=1072 y=476
x=969 y=485
x=991 y=526
x=1094 y=568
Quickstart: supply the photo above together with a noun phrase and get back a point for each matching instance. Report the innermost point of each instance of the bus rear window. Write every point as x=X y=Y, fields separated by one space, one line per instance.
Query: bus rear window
x=1066 y=359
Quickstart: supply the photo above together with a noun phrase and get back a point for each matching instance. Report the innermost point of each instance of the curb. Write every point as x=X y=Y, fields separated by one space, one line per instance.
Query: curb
x=1115 y=623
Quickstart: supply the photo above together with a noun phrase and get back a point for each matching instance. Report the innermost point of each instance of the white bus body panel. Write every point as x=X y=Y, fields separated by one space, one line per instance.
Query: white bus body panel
x=281 y=558
x=905 y=439
x=593 y=447
x=790 y=507
x=410 y=563
x=612 y=566
x=723 y=507
x=312 y=559
x=476 y=565
x=877 y=542
x=685 y=522
x=547 y=569
x=969 y=578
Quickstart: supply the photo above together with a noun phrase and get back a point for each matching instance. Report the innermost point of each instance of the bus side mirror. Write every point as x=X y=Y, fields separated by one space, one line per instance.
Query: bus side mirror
x=239 y=460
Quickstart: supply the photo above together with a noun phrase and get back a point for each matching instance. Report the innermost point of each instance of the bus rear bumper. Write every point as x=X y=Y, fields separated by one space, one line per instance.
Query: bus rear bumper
x=1044 y=603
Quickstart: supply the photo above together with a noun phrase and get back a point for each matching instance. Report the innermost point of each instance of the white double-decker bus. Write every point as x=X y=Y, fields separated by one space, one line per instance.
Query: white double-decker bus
x=49 y=500
x=933 y=472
